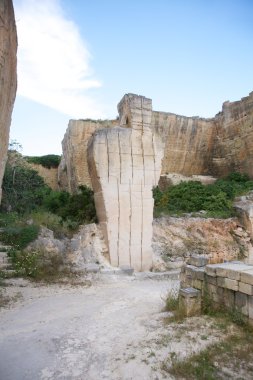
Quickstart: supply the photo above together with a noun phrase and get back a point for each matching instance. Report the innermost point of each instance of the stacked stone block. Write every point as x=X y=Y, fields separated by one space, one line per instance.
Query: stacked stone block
x=229 y=284
x=124 y=166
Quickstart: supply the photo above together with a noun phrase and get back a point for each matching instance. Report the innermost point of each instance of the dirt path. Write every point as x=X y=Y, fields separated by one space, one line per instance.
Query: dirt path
x=107 y=331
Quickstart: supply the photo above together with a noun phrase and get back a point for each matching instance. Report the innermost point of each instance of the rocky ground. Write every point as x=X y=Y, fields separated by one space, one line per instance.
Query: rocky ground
x=113 y=328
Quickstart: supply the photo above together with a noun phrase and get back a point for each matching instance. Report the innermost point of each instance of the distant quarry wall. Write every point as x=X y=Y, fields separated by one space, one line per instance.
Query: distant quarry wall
x=8 y=77
x=192 y=145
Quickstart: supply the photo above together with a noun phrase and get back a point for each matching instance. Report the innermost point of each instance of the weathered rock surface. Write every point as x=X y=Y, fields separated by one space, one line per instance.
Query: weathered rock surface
x=50 y=176
x=188 y=143
x=47 y=243
x=73 y=169
x=233 y=142
x=192 y=145
x=86 y=247
x=125 y=165
x=244 y=207
x=176 y=239
x=8 y=77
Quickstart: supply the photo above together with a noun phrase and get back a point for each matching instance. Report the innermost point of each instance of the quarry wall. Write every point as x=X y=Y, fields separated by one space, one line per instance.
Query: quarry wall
x=192 y=145
x=8 y=77
x=73 y=169
x=233 y=139
x=50 y=176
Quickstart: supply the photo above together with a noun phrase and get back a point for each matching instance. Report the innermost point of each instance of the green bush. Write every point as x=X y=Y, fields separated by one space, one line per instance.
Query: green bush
x=19 y=237
x=23 y=190
x=25 y=263
x=49 y=161
x=79 y=208
x=190 y=197
x=37 y=265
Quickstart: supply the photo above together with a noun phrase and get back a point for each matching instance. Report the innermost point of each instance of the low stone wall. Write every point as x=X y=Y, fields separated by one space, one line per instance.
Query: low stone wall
x=228 y=284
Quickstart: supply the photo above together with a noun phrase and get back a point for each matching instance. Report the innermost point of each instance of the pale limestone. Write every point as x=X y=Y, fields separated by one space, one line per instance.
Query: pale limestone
x=231 y=270
x=231 y=284
x=245 y=288
x=247 y=277
x=125 y=164
x=195 y=147
x=123 y=196
x=73 y=169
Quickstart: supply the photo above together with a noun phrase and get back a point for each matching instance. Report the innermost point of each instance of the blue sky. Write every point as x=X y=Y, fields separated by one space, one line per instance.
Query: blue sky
x=77 y=59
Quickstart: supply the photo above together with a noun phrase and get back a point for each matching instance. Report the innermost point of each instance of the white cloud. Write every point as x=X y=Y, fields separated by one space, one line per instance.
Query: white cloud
x=53 y=60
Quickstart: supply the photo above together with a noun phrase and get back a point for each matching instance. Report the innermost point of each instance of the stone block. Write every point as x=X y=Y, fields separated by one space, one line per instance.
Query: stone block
x=211 y=269
x=220 y=294
x=198 y=260
x=245 y=288
x=241 y=303
x=231 y=284
x=231 y=270
x=250 y=307
x=211 y=289
x=211 y=280
x=127 y=270
x=221 y=282
x=229 y=298
x=247 y=277
x=197 y=284
x=190 y=301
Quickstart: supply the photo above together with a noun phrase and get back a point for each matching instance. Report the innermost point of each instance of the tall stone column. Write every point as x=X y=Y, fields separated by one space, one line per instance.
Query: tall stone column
x=125 y=165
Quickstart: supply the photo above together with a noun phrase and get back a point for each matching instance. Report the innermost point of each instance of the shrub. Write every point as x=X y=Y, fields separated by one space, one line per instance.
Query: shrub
x=49 y=161
x=38 y=265
x=19 y=237
x=215 y=199
x=78 y=208
x=26 y=263
x=23 y=189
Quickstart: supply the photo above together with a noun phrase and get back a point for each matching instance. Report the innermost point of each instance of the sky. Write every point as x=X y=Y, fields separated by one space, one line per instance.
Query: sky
x=77 y=58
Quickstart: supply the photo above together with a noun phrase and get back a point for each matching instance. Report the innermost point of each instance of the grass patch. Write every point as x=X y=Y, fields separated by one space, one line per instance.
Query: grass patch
x=233 y=354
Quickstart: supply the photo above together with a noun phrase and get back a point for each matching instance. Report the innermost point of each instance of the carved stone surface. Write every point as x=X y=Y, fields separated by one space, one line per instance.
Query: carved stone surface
x=125 y=164
x=73 y=169
x=8 y=77
x=188 y=143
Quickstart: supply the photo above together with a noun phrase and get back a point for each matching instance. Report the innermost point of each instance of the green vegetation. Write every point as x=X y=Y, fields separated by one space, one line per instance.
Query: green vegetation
x=19 y=236
x=37 y=265
x=78 y=208
x=234 y=353
x=27 y=204
x=23 y=190
x=190 y=197
x=49 y=161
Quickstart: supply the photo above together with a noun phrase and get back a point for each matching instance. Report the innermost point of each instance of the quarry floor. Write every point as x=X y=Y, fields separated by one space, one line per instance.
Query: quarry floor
x=114 y=329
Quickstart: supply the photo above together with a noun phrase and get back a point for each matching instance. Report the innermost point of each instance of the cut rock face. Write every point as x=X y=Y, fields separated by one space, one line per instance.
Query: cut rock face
x=125 y=165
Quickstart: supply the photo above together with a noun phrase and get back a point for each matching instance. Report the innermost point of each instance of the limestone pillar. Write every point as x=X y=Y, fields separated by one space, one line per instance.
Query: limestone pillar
x=125 y=165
